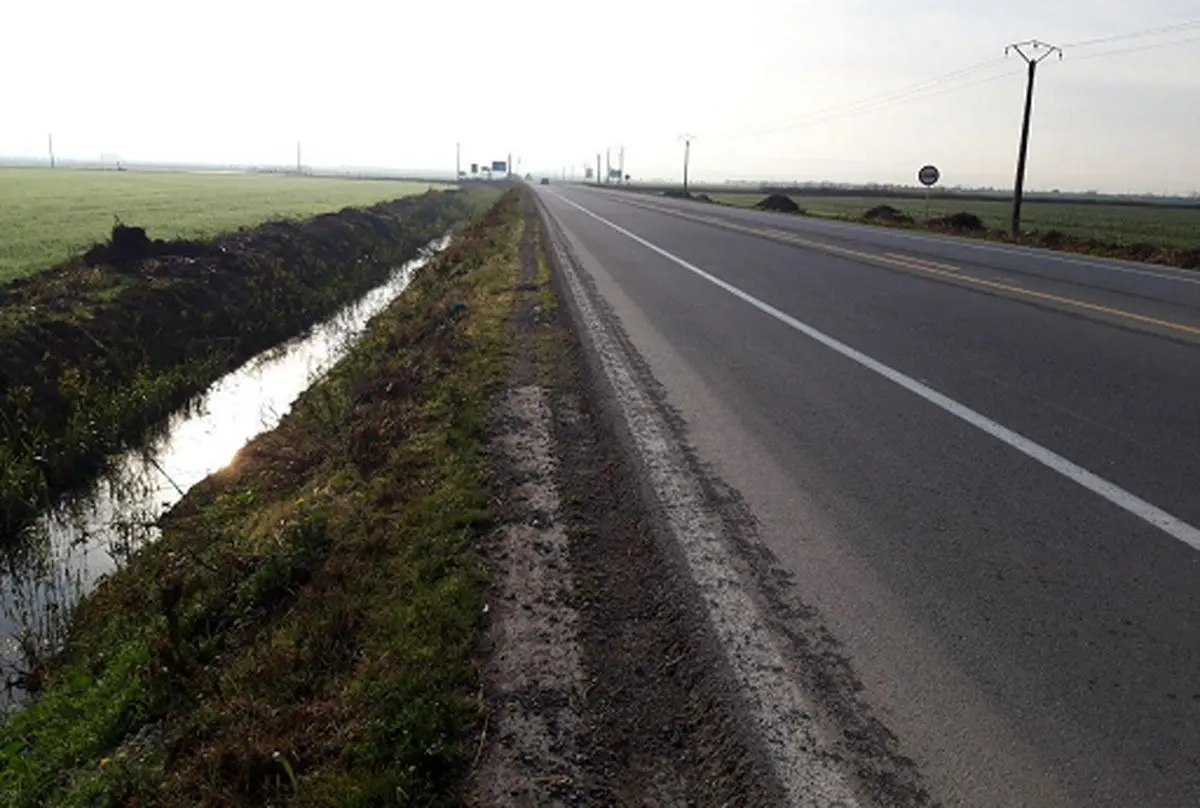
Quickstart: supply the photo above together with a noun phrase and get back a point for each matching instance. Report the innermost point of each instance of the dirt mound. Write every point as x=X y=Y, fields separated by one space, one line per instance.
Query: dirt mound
x=129 y=245
x=886 y=214
x=779 y=203
x=963 y=221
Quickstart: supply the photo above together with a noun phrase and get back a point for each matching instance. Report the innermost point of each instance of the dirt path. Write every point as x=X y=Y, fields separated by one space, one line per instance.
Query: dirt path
x=533 y=675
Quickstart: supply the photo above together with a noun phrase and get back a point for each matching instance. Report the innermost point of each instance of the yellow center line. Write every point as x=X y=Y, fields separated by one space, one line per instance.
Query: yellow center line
x=925 y=262
x=931 y=267
x=1066 y=301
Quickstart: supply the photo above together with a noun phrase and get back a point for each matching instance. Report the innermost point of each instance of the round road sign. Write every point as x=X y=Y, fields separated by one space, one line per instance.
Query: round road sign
x=929 y=175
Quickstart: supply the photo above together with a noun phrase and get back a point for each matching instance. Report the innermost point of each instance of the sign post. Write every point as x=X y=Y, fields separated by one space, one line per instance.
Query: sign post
x=928 y=176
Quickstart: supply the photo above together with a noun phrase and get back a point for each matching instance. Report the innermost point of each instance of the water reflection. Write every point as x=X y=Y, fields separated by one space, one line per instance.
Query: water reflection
x=90 y=532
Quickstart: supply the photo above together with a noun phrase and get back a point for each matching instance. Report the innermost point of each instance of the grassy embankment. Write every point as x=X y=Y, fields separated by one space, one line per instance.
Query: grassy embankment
x=303 y=631
x=90 y=356
x=46 y=216
x=1148 y=232
x=1169 y=227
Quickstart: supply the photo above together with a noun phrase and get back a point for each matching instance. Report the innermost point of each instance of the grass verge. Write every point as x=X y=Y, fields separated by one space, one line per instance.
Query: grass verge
x=302 y=633
x=1155 y=234
x=90 y=356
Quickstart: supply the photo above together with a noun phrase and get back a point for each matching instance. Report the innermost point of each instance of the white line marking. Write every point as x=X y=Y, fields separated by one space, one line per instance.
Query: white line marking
x=1171 y=525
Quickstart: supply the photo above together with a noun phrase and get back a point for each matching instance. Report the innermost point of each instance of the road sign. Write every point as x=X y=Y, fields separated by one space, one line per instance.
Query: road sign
x=929 y=175
x=499 y=165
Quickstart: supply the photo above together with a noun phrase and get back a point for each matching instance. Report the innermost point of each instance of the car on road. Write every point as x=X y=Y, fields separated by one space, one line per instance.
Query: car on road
x=545 y=180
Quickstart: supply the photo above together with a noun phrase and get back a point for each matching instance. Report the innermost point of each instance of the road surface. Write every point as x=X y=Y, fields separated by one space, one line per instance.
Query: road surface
x=978 y=464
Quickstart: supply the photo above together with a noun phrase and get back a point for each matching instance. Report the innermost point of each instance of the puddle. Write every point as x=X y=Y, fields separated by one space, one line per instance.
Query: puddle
x=90 y=532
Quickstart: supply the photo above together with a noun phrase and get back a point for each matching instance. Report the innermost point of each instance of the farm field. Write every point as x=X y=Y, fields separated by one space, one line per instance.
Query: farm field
x=1162 y=226
x=46 y=216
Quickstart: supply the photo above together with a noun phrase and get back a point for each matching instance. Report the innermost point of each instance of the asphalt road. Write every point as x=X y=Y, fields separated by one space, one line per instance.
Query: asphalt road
x=979 y=464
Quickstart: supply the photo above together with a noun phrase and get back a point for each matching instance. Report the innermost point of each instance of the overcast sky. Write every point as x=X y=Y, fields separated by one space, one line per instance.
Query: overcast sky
x=397 y=83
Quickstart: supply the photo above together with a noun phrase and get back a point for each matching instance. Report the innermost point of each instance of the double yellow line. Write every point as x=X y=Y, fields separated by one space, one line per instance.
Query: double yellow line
x=928 y=267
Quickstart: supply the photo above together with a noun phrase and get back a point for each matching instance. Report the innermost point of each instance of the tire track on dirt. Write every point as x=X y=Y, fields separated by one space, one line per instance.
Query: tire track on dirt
x=533 y=674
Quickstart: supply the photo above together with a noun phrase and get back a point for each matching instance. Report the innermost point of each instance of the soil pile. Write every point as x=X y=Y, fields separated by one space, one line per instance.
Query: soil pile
x=129 y=245
x=779 y=203
x=886 y=214
x=963 y=222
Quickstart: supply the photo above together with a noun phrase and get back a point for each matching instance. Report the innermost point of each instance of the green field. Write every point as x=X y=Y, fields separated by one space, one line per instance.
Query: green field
x=47 y=216
x=1162 y=226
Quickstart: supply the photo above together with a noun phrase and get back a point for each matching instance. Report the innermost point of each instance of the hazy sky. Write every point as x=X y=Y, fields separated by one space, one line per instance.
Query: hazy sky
x=555 y=81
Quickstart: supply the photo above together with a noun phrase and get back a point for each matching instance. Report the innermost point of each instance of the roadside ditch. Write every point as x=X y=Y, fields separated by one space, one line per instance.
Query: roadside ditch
x=97 y=351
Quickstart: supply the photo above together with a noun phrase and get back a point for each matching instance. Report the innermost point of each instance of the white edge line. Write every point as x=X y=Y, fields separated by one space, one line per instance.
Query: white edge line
x=1171 y=525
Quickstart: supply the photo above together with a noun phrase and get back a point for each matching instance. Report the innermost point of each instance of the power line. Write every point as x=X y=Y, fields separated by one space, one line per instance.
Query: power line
x=934 y=87
x=1118 y=51
x=1178 y=27
x=872 y=99
x=820 y=118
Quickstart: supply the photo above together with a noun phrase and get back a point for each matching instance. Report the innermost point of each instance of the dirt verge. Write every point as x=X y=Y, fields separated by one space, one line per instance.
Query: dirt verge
x=531 y=658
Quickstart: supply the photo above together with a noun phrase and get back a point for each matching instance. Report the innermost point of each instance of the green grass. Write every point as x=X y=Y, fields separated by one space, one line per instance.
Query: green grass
x=48 y=216
x=1167 y=227
x=303 y=631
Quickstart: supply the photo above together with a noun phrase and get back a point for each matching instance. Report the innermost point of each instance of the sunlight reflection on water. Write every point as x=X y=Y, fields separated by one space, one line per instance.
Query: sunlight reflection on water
x=90 y=532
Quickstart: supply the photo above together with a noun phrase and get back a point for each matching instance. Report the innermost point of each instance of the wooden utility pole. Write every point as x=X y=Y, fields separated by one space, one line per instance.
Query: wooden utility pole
x=457 y=162
x=1037 y=53
x=687 y=154
x=50 y=139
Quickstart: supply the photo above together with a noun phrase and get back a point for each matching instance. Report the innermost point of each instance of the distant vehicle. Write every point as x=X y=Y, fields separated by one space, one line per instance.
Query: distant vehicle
x=545 y=180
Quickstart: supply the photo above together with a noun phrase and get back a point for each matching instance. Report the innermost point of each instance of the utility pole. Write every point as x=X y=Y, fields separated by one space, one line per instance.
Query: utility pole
x=607 y=164
x=509 y=164
x=687 y=154
x=1034 y=53
x=50 y=138
x=457 y=162
x=299 y=169
x=621 y=165
x=597 y=168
